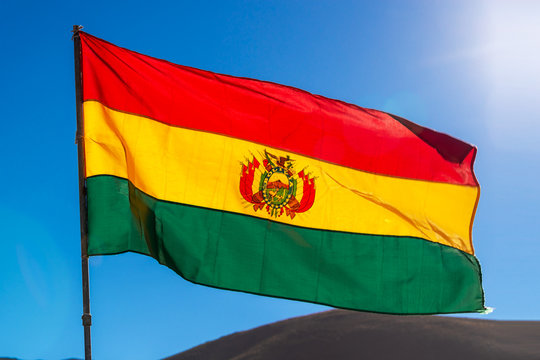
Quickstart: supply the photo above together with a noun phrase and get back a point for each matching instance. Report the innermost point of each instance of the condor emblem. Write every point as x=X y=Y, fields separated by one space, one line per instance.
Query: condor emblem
x=280 y=188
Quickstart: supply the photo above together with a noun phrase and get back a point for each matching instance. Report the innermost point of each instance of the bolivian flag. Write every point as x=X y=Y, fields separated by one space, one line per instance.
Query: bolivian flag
x=252 y=186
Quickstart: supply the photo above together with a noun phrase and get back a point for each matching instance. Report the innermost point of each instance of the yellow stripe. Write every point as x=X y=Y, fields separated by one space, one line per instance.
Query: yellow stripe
x=203 y=169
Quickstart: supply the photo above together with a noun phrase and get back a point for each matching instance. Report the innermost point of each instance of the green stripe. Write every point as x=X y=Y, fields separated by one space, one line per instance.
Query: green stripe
x=386 y=274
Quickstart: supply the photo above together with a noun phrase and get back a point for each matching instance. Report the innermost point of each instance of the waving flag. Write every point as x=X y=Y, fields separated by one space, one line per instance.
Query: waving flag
x=252 y=186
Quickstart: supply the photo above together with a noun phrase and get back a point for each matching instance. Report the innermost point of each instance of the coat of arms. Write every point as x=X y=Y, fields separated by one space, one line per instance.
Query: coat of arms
x=280 y=188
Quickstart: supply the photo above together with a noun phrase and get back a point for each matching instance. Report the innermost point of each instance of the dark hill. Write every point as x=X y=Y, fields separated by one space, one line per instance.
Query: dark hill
x=340 y=334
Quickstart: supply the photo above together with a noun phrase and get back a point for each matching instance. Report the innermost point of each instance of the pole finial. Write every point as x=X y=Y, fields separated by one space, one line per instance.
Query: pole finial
x=75 y=30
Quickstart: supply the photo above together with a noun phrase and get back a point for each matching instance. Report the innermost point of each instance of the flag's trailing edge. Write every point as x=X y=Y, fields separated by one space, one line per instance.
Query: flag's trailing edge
x=252 y=186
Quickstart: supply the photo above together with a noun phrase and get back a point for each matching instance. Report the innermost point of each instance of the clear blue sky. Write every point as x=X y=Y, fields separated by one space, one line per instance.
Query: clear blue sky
x=467 y=68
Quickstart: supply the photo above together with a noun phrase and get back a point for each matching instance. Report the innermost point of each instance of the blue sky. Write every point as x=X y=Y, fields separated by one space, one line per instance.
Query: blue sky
x=467 y=68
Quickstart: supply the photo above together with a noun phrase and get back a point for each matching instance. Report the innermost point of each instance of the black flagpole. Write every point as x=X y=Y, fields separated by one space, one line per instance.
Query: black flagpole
x=86 y=317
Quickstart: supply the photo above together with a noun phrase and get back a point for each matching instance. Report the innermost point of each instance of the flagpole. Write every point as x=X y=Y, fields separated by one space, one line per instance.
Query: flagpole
x=86 y=317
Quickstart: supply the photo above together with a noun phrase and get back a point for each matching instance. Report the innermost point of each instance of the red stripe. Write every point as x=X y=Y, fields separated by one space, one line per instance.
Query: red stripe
x=275 y=115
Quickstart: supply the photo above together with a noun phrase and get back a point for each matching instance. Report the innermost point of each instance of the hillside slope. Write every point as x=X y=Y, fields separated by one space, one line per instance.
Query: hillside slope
x=340 y=334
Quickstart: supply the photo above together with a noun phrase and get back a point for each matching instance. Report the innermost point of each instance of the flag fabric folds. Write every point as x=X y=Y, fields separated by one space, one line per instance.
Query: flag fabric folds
x=257 y=187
